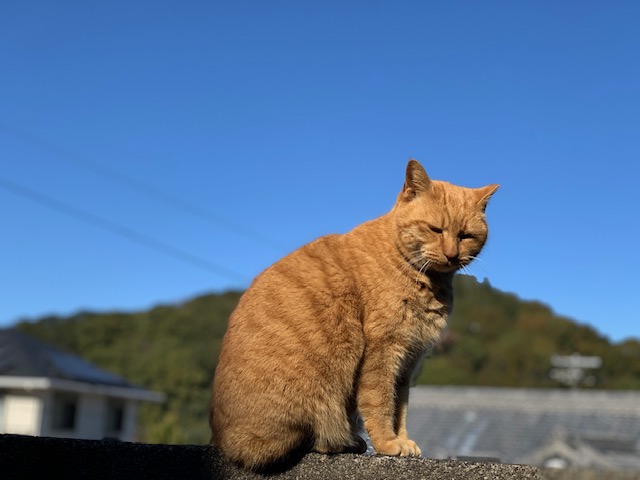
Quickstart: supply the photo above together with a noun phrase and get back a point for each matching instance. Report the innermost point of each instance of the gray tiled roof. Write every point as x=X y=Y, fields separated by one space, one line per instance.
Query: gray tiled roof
x=23 y=356
x=511 y=424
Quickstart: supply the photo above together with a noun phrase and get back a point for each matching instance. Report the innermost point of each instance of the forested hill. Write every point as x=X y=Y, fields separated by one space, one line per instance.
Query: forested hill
x=494 y=339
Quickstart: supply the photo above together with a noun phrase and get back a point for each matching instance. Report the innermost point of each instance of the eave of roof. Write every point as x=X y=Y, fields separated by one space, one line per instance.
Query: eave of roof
x=55 y=384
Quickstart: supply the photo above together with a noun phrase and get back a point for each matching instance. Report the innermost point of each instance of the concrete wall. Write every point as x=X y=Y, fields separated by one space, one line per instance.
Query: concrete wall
x=49 y=458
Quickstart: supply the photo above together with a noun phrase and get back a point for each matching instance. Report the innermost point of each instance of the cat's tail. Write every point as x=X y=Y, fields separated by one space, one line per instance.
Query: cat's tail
x=262 y=451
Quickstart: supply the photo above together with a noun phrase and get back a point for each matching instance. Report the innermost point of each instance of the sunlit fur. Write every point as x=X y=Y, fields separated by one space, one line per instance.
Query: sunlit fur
x=335 y=329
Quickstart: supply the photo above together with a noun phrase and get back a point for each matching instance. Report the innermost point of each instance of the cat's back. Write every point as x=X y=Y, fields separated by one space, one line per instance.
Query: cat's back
x=322 y=266
x=294 y=298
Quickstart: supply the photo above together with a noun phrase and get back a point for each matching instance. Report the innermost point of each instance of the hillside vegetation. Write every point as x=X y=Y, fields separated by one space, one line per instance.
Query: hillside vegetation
x=494 y=338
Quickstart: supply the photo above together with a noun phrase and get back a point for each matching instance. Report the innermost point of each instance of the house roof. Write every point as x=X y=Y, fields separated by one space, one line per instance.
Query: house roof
x=26 y=361
x=512 y=423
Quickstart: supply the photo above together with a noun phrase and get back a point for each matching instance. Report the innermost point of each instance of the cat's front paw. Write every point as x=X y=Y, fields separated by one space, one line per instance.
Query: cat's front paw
x=402 y=447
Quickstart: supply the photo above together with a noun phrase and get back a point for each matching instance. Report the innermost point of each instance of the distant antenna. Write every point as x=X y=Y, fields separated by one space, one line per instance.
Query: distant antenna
x=571 y=370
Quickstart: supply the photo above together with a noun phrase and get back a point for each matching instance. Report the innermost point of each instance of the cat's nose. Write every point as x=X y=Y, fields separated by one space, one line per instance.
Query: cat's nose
x=452 y=258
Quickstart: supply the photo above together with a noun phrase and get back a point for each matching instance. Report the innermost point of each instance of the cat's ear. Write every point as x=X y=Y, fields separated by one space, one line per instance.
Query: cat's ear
x=416 y=182
x=484 y=194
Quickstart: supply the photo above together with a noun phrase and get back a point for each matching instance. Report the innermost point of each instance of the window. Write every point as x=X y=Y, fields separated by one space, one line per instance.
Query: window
x=115 y=417
x=2 y=395
x=64 y=412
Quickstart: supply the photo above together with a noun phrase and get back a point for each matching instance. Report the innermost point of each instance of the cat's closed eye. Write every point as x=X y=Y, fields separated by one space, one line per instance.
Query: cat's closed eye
x=466 y=236
x=435 y=229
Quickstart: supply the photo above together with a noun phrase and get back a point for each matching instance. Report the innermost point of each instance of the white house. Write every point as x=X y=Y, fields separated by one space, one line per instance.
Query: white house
x=47 y=392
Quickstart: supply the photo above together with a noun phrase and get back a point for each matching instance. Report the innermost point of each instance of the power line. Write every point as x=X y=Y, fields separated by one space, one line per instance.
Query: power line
x=120 y=230
x=167 y=198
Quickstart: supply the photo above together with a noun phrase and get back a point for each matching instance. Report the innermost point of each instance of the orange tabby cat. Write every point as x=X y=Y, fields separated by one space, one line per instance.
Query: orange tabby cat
x=335 y=329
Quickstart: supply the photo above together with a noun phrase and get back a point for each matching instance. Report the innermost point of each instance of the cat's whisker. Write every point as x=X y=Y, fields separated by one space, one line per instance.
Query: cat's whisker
x=423 y=269
x=415 y=257
x=467 y=269
x=419 y=272
x=418 y=261
x=474 y=258
x=483 y=269
x=418 y=276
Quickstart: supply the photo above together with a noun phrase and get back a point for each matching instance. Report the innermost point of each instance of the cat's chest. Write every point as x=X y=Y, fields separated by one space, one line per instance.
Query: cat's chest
x=426 y=310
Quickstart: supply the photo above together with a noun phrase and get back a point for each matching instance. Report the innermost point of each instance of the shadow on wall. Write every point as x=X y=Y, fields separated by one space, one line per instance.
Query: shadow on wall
x=41 y=457
x=28 y=458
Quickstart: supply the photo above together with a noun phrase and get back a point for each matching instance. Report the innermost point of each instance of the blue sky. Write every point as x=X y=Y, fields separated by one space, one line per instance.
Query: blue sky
x=155 y=150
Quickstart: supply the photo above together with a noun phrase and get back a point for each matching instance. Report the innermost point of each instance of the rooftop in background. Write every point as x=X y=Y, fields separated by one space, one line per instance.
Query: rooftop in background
x=585 y=428
x=23 y=356
x=29 y=364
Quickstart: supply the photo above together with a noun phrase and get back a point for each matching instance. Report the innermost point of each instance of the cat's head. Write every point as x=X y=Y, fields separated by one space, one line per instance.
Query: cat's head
x=440 y=227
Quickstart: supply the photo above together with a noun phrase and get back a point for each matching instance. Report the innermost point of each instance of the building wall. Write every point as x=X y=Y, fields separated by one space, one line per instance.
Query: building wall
x=130 y=416
x=47 y=414
x=90 y=420
x=91 y=417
